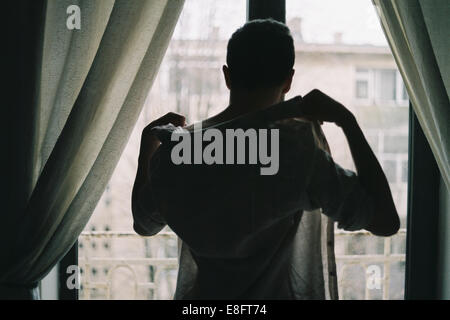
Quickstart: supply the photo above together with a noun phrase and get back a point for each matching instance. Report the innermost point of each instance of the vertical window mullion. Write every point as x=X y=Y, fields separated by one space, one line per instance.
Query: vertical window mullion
x=263 y=9
x=422 y=217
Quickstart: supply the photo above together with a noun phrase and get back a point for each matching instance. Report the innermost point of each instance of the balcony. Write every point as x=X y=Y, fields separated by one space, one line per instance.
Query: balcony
x=152 y=274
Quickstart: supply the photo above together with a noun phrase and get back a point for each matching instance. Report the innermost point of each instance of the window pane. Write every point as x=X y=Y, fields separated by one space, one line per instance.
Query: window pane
x=190 y=82
x=386 y=85
x=396 y=144
x=344 y=53
x=362 y=89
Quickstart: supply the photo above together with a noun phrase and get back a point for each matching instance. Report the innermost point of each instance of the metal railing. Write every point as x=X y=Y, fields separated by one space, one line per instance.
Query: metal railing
x=87 y=260
x=366 y=261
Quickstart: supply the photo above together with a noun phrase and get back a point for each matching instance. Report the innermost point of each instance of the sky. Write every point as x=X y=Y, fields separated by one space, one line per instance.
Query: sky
x=321 y=19
x=356 y=19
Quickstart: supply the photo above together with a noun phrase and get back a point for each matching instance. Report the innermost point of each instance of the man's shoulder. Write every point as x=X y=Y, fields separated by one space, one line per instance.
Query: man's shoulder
x=294 y=125
x=297 y=131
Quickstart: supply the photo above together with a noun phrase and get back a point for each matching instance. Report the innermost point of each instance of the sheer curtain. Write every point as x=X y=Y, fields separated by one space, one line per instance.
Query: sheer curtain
x=91 y=86
x=417 y=32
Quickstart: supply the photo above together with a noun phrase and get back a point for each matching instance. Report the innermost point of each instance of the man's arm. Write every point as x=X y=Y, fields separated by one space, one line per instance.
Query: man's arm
x=385 y=221
x=149 y=144
x=147 y=149
x=318 y=106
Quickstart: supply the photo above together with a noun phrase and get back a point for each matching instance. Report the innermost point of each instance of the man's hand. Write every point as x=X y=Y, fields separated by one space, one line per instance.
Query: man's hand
x=149 y=142
x=316 y=105
x=171 y=117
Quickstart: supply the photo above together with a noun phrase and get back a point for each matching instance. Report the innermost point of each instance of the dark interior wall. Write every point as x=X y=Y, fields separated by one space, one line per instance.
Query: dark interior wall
x=22 y=31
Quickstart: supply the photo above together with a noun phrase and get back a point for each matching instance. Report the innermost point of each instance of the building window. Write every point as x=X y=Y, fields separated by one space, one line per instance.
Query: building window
x=198 y=78
x=396 y=143
x=391 y=148
x=385 y=85
x=380 y=87
x=362 y=89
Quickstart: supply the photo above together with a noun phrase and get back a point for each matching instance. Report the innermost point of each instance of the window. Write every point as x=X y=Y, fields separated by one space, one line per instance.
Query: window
x=197 y=80
x=362 y=84
x=380 y=87
x=190 y=82
x=362 y=89
x=347 y=57
x=396 y=144
x=385 y=85
x=342 y=51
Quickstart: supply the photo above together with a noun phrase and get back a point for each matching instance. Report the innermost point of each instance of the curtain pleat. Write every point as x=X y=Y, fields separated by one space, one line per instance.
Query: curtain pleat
x=416 y=32
x=93 y=84
x=67 y=58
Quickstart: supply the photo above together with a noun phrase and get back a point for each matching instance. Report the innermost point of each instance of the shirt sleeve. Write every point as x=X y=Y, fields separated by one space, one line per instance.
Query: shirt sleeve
x=148 y=220
x=339 y=193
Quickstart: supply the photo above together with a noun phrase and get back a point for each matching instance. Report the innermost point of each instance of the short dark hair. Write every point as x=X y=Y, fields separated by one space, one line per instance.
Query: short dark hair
x=260 y=54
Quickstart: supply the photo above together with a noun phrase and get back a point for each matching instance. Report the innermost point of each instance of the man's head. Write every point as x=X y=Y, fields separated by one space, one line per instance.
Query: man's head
x=260 y=56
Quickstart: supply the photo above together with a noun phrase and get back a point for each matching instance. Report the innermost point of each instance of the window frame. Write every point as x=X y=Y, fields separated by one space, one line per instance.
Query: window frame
x=422 y=241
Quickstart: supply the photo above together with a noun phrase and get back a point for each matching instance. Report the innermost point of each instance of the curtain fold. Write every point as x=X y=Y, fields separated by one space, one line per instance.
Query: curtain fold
x=92 y=86
x=416 y=32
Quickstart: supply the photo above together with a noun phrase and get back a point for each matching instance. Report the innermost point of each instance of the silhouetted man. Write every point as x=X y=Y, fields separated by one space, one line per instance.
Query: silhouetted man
x=237 y=223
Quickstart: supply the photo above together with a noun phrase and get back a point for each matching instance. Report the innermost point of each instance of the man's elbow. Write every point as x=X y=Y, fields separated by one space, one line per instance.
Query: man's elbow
x=141 y=231
x=145 y=226
x=385 y=226
x=391 y=228
x=137 y=226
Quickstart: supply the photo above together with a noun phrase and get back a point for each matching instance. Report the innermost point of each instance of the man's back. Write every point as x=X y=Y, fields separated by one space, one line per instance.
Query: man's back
x=239 y=225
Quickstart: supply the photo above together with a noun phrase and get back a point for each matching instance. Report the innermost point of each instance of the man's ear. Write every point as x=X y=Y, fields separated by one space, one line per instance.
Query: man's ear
x=226 y=74
x=288 y=82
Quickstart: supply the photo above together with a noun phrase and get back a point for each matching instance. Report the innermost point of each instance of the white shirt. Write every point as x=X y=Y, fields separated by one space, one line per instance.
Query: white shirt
x=238 y=226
